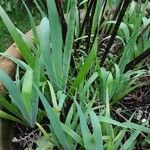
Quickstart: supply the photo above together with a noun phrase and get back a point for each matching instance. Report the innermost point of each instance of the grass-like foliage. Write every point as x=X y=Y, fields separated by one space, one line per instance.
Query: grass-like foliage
x=72 y=68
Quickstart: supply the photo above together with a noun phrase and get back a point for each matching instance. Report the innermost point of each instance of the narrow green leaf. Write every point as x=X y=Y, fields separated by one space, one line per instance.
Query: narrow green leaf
x=97 y=15
x=53 y=96
x=55 y=122
x=86 y=135
x=10 y=117
x=39 y=8
x=89 y=82
x=15 y=94
x=56 y=40
x=25 y=51
x=125 y=124
x=69 y=43
x=69 y=116
x=128 y=52
x=85 y=68
x=10 y=107
x=46 y=54
x=61 y=99
x=32 y=22
x=27 y=89
x=97 y=133
x=73 y=134
x=46 y=135
x=119 y=138
x=130 y=141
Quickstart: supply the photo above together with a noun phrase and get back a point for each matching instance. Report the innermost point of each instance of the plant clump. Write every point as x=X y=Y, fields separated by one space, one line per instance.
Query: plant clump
x=83 y=78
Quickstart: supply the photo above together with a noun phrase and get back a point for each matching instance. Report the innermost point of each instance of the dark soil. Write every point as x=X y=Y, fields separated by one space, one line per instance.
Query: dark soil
x=137 y=103
x=24 y=137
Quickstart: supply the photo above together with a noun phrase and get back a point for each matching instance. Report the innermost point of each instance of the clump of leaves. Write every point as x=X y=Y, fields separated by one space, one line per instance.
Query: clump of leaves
x=77 y=92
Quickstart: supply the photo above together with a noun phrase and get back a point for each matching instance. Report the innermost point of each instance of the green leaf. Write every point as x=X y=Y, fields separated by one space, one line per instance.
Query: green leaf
x=10 y=107
x=27 y=89
x=69 y=43
x=46 y=54
x=25 y=51
x=128 y=51
x=39 y=8
x=129 y=125
x=53 y=96
x=130 y=141
x=10 y=117
x=46 y=135
x=89 y=82
x=32 y=22
x=97 y=15
x=119 y=138
x=122 y=27
x=97 y=133
x=69 y=116
x=85 y=68
x=55 y=122
x=15 y=94
x=73 y=134
x=56 y=40
x=43 y=144
x=86 y=135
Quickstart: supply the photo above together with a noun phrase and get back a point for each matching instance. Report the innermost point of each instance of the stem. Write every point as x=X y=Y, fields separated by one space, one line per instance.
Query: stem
x=86 y=17
x=143 y=31
x=89 y=28
x=114 y=33
x=117 y=11
x=137 y=60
